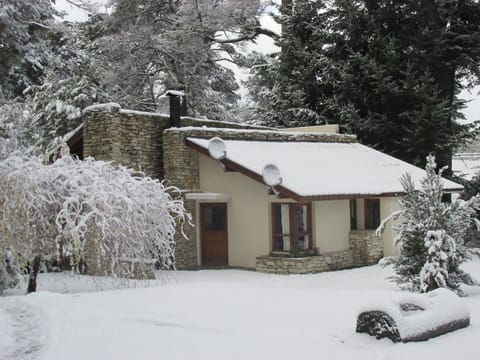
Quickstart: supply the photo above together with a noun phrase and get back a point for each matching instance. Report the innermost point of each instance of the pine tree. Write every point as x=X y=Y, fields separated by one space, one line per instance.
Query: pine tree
x=388 y=71
x=69 y=84
x=46 y=76
x=422 y=214
x=15 y=131
x=23 y=53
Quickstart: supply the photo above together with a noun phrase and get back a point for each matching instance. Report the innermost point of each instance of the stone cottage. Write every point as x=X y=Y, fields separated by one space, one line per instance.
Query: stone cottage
x=321 y=215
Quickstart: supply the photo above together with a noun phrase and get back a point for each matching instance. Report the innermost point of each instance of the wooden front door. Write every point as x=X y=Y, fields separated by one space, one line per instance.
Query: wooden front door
x=214 y=236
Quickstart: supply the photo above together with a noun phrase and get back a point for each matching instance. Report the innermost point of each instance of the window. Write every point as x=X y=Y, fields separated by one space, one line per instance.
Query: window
x=214 y=218
x=291 y=227
x=372 y=213
x=353 y=214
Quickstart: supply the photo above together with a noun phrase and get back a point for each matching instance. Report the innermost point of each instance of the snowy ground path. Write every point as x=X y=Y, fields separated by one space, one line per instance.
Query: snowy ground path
x=24 y=325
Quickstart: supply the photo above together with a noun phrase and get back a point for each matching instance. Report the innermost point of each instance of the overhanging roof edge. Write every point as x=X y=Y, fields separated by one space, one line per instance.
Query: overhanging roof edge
x=286 y=192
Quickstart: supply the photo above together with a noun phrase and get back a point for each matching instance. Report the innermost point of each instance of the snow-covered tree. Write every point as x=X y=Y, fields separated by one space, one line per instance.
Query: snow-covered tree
x=44 y=68
x=440 y=251
x=15 y=126
x=146 y=47
x=70 y=83
x=108 y=218
x=10 y=272
x=23 y=49
x=422 y=217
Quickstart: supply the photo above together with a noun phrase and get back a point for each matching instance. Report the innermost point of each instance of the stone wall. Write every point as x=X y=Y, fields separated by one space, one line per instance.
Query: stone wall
x=260 y=134
x=310 y=264
x=131 y=139
x=367 y=248
x=134 y=138
x=186 y=246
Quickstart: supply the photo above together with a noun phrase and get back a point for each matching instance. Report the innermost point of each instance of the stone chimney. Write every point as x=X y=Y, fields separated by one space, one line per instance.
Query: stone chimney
x=178 y=106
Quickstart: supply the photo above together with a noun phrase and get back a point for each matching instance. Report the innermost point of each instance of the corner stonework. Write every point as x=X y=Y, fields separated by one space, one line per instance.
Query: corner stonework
x=367 y=247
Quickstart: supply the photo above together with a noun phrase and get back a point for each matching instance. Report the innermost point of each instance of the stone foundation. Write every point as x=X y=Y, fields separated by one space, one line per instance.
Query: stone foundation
x=367 y=248
x=310 y=264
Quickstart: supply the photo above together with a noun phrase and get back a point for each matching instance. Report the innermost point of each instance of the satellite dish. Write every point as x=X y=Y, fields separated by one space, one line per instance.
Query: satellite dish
x=271 y=175
x=217 y=148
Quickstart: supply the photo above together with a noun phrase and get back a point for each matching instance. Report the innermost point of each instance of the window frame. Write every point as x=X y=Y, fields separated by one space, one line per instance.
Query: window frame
x=293 y=234
x=370 y=218
x=353 y=214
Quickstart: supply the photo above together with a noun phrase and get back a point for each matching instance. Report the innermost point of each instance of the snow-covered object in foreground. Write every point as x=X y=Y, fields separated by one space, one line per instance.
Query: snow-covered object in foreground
x=416 y=317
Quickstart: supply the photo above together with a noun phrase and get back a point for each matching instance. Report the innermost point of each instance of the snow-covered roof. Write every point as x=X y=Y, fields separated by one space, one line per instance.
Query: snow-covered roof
x=319 y=170
x=466 y=165
x=75 y=132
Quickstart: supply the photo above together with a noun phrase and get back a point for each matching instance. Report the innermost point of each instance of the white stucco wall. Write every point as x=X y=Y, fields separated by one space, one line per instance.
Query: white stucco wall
x=331 y=225
x=248 y=211
x=387 y=207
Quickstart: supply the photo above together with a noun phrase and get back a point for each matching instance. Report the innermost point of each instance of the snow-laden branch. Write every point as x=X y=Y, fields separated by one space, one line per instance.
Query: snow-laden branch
x=392 y=217
x=90 y=212
x=248 y=35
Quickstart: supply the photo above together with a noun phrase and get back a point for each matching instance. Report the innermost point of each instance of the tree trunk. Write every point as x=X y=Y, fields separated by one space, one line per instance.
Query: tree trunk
x=32 y=281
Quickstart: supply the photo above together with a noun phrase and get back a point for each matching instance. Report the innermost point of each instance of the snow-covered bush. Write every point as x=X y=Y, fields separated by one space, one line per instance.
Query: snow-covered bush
x=426 y=221
x=111 y=219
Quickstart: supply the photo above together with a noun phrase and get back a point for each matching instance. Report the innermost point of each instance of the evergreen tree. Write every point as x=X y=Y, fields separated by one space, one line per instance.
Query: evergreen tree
x=15 y=130
x=46 y=77
x=388 y=71
x=24 y=25
x=422 y=214
x=69 y=84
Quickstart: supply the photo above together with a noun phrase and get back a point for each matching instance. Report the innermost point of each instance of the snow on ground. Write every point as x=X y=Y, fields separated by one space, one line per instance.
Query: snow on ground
x=22 y=329
x=216 y=314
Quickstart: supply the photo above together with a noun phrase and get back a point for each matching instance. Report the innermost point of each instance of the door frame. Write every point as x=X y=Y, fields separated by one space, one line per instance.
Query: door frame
x=202 y=232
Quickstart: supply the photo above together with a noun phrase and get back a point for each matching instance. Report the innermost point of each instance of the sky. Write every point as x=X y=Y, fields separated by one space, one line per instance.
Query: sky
x=74 y=13
x=265 y=44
